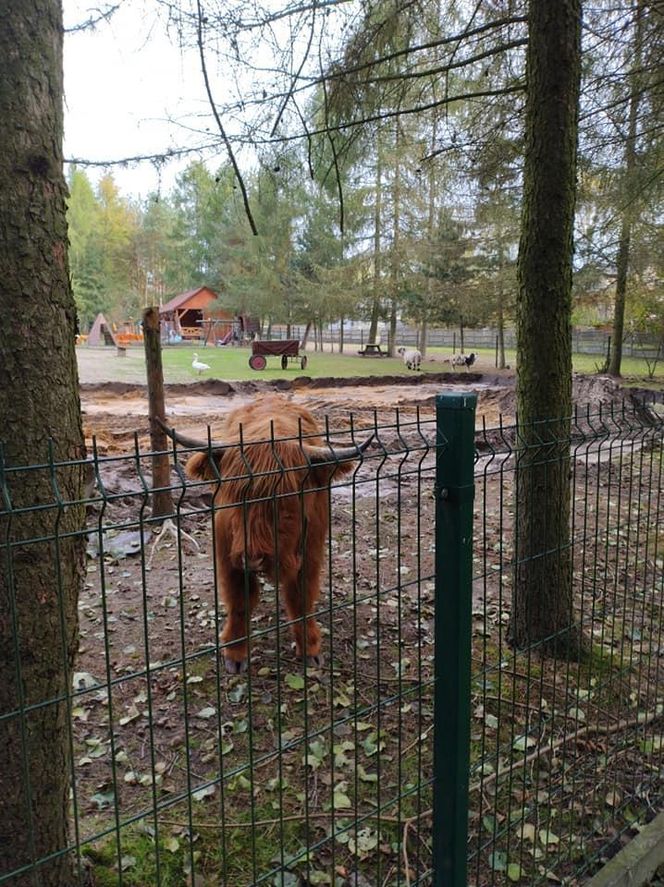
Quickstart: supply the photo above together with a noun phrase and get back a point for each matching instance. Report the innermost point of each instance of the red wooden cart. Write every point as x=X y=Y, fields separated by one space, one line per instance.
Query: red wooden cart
x=287 y=349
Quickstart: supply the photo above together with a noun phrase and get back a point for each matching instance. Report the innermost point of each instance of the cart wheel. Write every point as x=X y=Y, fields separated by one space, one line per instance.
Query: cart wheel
x=284 y=362
x=257 y=362
x=303 y=362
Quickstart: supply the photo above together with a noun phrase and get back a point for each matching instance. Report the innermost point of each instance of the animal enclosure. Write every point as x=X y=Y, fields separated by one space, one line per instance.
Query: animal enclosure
x=295 y=773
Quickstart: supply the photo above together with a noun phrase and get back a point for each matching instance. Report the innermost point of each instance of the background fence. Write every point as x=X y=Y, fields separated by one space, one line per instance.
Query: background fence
x=322 y=771
x=584 y=341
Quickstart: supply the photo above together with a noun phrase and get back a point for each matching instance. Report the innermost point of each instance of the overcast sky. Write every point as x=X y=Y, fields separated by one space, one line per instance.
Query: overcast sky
x=123 y=80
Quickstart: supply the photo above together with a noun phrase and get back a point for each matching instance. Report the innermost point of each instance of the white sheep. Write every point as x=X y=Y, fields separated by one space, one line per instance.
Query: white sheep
x=412 y=358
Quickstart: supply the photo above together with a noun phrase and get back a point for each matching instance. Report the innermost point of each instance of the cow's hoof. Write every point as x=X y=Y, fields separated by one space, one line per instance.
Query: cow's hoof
x=235 y=666
x=315 y=661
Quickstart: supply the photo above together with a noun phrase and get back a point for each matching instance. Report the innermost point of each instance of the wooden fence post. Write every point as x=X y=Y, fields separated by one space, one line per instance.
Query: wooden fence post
x=161 y=471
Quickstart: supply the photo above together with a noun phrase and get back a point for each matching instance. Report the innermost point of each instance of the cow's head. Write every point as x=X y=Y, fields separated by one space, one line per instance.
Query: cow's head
x=325 y=461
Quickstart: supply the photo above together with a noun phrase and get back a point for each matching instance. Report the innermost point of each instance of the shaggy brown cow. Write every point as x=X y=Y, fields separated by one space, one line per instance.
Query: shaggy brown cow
x=272 y=471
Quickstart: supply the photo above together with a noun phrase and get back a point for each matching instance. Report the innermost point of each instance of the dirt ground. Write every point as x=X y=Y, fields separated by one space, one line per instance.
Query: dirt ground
x=338 y=759
x=114 y=411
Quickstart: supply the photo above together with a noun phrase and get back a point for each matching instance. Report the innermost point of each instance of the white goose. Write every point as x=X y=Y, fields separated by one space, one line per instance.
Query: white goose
x=199 y=365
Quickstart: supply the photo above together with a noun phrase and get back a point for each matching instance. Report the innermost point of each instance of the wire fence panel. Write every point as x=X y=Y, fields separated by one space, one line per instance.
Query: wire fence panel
x=217 y=738
x=566 y=755
x=253 y=696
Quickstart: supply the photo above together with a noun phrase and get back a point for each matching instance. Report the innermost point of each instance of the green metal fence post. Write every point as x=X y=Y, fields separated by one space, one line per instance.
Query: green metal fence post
x=455 y=419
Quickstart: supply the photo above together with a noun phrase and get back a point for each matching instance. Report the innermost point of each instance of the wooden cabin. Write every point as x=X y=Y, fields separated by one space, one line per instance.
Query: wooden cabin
x=191 y=317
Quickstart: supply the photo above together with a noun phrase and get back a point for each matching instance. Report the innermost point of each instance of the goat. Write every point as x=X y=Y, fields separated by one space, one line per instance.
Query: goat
x=462 y=360
x=272 y=472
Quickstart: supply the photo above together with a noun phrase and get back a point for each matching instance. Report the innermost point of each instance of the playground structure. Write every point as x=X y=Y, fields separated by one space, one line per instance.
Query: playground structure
x=101 y=333
x=195 y=316
x=287 y=349
x=107 y=334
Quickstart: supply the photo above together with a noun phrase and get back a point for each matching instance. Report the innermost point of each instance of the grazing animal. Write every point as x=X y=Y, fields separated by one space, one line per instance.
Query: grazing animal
x=272 y=471
x=462 y=360
x=199 y=365
x=412 y=358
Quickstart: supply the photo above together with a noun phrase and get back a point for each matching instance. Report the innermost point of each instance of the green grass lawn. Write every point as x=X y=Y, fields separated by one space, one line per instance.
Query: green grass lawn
x=581 y=363
x=232 y=364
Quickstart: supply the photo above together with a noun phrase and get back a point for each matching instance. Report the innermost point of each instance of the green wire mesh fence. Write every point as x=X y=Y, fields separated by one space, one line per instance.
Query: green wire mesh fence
x=566 y=752
x=266 y=757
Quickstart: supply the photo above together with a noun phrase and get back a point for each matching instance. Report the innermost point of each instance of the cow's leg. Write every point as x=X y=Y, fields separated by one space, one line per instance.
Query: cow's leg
x=239 y=592
x=301 y=591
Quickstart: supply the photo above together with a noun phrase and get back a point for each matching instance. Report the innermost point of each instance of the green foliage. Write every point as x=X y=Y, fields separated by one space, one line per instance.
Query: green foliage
x=102 y=230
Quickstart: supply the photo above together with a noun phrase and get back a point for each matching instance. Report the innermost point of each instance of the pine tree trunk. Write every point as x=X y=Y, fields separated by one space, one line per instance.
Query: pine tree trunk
x=39 y=581
x=542 y=611
x=395 y=264
x=305 y=337
x=341 y=336
x=375 y=305
x=501 y=334
x=624 y=242
x=392 y=332
x=424 y=331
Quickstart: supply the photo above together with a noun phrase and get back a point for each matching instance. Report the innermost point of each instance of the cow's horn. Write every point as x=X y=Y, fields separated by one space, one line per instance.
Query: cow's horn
x=316 y=454
x=189 y=442
x=335 y=454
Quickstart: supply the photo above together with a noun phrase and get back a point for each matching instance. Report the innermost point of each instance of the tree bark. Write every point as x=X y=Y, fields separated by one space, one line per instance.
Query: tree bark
x=375 y=306
x=424 y=332
x=41 y=423
x=501 y=331
x=305 y=337
x=162 y=504
x=624 y=242
x=542 y=613
x=395 y=264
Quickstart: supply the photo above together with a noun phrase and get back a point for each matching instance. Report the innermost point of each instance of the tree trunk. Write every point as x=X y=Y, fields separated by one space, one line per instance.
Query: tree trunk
x=305 y=337
x=41 y=423
x=461 y=349
x=375 y=305
x=424 y=331
x=501 y=333
x=341 y=336
x=395 y=264
x=624 y=242
x=373 y=325
x=392 y=332
x=431 y=230
x=542 y=613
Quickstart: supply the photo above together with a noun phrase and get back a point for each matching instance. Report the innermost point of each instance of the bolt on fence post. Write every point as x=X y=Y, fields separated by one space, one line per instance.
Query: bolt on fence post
x=455 y=457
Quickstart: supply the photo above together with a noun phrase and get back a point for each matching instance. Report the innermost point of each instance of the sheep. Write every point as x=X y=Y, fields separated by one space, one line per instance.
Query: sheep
x=412 y=358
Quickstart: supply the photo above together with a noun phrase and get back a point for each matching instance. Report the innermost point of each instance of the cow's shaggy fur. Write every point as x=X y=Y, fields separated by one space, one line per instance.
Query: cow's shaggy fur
x=272 y=517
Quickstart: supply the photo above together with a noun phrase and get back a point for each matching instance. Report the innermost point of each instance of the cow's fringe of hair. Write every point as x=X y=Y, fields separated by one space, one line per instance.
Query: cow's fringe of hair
x=266 y=468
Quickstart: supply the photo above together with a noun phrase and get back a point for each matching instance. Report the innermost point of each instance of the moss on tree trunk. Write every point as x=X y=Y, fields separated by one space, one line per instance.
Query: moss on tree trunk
x=542 y=611
x=39 y=581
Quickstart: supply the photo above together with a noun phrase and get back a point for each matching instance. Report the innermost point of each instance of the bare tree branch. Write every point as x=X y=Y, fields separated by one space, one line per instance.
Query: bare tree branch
x=213 y=107
x=101 y=15
x=299 y=72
